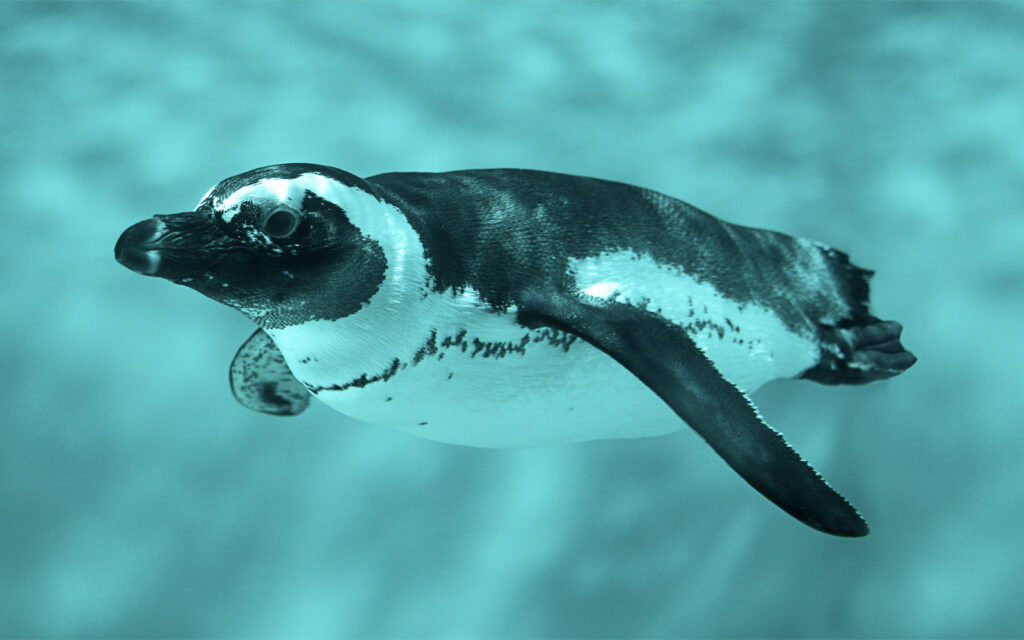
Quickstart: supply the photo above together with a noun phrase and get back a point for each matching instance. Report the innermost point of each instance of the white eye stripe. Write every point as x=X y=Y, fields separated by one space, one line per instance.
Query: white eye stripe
x=266 y=192
x=279 y=187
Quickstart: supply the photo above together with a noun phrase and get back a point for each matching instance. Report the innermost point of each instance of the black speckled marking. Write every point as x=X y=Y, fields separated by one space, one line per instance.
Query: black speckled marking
x=473 y=346
x=557 y=338
x=455 y=340
x=362 y=380
x=429 y=348
x=476 y=347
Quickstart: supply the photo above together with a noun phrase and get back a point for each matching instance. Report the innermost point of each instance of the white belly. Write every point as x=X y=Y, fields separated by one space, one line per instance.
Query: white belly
x=534 y=391
x=541 y=397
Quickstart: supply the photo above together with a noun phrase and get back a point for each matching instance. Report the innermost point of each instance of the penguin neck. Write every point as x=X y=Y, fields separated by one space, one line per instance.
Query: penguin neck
x=326 y=353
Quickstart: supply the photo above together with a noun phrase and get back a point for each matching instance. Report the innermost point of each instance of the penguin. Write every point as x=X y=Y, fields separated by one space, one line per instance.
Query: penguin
x=512 y=308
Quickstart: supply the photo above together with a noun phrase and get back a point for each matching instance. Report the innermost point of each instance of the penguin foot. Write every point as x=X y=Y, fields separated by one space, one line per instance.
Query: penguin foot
x=862 y=353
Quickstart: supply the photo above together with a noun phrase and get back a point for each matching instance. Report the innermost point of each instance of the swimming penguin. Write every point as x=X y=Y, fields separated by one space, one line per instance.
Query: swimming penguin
x=507 y=308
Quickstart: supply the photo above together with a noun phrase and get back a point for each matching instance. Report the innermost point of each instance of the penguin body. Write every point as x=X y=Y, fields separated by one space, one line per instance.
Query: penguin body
x=503 y=308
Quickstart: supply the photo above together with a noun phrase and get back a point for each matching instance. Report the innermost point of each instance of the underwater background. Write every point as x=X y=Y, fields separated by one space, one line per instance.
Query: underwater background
x=138 y=499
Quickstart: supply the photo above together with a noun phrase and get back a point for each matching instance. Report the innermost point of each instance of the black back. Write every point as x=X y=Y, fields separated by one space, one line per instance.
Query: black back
x=503 y=231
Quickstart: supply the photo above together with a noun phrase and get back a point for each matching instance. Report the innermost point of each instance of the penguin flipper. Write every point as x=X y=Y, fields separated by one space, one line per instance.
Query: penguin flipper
x=262 y=381
x=667 y=360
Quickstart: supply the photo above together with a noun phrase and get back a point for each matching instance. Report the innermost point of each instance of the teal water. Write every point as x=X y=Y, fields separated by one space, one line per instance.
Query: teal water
x=137 y=499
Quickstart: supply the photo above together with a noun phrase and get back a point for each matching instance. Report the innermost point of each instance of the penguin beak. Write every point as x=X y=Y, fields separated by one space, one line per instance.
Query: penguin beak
x=172 y=246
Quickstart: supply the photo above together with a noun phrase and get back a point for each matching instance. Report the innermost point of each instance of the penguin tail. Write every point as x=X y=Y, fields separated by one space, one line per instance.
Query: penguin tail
x=860 y=348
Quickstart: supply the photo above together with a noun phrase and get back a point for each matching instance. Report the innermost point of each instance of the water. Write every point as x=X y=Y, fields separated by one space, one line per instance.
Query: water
x=137 y=499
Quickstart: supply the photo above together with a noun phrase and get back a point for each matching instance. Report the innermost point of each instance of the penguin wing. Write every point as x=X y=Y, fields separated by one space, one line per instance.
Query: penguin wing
x=262 y=381
x=667 y=360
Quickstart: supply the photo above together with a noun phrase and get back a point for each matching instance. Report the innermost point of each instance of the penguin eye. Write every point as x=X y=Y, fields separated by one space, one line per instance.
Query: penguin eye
x=281 y=223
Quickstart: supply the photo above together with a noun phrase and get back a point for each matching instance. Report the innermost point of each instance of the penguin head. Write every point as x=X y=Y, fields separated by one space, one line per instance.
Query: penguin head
x=276 y=243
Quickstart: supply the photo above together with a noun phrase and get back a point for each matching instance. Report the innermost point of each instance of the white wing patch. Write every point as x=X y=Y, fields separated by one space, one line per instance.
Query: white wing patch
x=748 y=342
x=603 y=290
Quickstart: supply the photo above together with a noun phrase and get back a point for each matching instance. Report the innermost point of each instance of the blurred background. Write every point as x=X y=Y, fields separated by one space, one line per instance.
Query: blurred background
x=137 y=499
